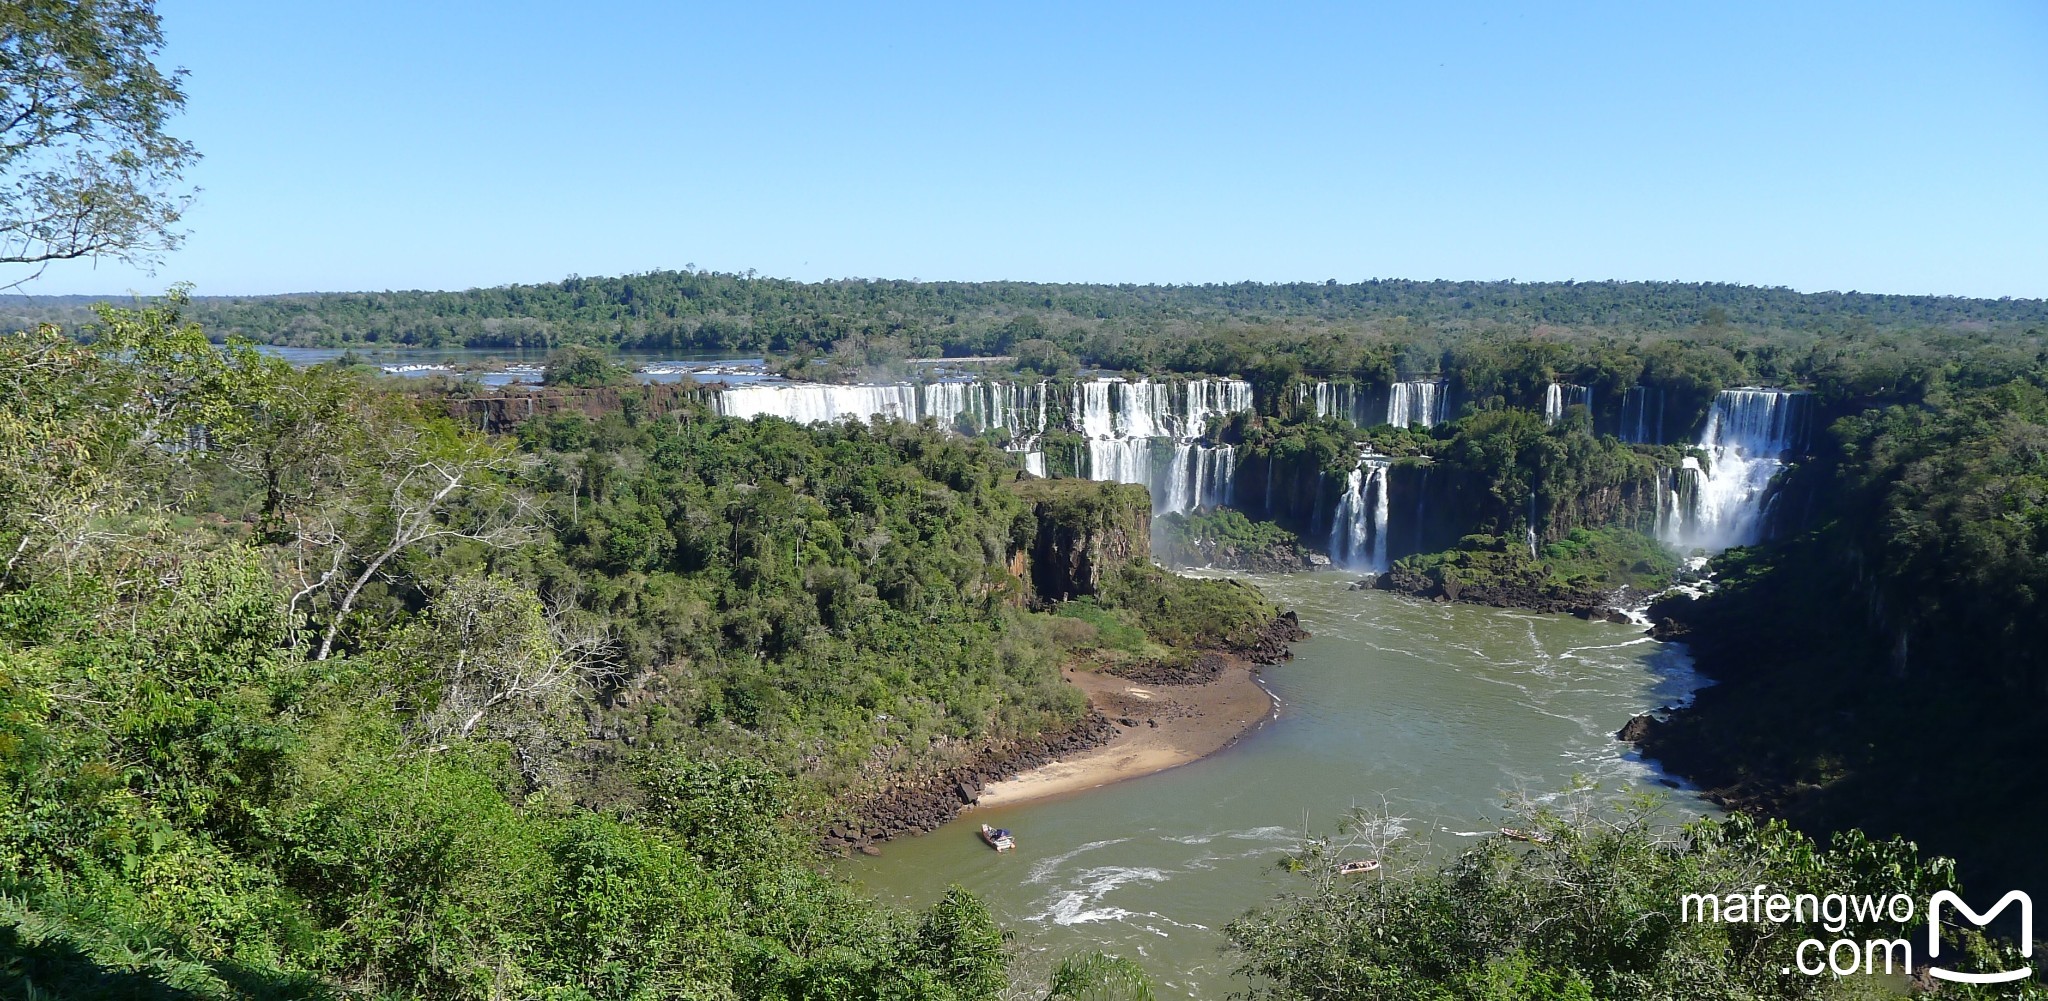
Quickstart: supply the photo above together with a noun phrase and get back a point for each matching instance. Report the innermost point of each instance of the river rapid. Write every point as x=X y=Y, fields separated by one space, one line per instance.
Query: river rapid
x=1432 y=714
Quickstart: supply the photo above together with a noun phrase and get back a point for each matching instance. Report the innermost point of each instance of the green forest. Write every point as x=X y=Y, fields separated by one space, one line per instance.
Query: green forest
x=1327 y=328
x=318 y=684
x=306 y=689
x=311 y=689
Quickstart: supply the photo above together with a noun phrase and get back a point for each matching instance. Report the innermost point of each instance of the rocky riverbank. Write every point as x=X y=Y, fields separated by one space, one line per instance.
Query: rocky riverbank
x=1527 y=593
x=1142 y=719
x=922 y=805
x=1278 y=558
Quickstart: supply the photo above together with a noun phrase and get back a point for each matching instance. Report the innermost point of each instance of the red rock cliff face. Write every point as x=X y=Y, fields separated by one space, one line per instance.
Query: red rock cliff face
x=1083 y=530
x=506 y=410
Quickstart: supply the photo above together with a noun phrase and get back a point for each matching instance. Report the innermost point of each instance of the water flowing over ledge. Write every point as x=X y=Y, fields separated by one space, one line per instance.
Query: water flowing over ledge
x=1558 y=396
x=1405 y=404
x=1142 y=432
x=1728 y=500
x=1153 y=433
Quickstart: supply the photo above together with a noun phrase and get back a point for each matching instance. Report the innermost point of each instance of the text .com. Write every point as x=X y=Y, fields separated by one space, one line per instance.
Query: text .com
x=1836 y=912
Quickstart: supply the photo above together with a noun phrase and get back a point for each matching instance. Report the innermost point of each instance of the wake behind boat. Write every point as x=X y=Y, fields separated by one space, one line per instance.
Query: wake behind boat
x=999 y=839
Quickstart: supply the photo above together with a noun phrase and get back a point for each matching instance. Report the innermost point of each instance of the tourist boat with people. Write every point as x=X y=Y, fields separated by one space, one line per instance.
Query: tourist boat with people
x=1358 y=866
x=999 y=839
x=1520 y=834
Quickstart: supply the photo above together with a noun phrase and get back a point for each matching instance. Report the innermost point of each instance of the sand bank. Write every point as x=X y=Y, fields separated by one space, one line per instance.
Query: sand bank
x=1162 y=726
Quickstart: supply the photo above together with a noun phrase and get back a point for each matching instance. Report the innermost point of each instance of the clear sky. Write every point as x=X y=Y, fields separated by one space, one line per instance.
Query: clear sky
x=371 y=145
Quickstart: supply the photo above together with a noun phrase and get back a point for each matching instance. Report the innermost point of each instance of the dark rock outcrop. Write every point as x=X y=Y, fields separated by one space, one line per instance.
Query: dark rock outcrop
x=1530 y=591
x=924 y=804
x=1637 y=728
x=1282 y=558
x=509 y=408
x=1271 y=646
x=1084 y=529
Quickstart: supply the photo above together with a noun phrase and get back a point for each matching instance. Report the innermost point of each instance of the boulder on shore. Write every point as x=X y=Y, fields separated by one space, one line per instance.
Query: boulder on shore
x=1637 y=729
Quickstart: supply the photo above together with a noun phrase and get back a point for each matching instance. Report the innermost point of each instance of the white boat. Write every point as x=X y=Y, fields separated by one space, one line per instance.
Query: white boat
x=997 y=838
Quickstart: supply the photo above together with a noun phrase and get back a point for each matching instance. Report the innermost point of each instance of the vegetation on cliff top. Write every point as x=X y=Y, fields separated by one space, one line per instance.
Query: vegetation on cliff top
x=1911 y=607
x=305 y=689
x=1574 y=572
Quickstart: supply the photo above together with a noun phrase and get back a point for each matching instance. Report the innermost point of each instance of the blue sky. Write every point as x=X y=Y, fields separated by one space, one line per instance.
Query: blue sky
x=370 y=145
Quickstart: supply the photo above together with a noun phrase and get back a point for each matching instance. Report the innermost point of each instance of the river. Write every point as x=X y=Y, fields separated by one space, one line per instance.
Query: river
x=1433 y=713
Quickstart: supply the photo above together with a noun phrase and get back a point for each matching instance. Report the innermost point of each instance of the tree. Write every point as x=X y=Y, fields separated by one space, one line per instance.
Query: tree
x=86 y=169
x=583 y=367
x=91 y=431
x=420 y=484
x=959 y=938
x=1099 y=977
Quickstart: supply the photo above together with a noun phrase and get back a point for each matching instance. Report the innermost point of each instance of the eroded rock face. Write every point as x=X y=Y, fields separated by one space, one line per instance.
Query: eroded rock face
x=507 y=410
x=1084 y=529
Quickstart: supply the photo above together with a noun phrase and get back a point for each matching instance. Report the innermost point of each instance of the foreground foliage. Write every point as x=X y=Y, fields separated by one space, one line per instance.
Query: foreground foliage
x=306 y=690
x=1592 y=910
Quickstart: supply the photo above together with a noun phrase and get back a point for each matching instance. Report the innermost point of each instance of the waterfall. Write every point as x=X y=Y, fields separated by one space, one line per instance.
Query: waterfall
x=1270 y=513
x=1409 y=404
x=1123 y=420
x=976 y=406
x=1558 y=395
x=972 y=406
x=1642 y=416
x=1416 y=404
x=1358 y=533
x=1348 y=400
x=811 y=403
x=1747 y=433
x=1018 y=408
x=1421 y=503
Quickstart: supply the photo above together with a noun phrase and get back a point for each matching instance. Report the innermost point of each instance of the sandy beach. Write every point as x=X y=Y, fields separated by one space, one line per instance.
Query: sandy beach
x=1169 y=725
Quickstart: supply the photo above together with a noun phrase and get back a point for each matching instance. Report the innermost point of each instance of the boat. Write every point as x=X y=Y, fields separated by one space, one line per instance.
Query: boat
x=1533 y=837
x=998 y=838
x=1356 y=866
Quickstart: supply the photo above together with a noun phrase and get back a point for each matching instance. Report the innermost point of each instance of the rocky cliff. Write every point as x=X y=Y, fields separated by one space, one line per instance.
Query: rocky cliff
x=512 y=407
x=1083 y=529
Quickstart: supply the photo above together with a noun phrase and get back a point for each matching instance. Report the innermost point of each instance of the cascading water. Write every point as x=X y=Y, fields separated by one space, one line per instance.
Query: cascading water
x=1348 y=400
x=1416 y=404
x=1018 y=408
x=972 y=406
x=1747 y=433
x=1358 y=534
x=1642 y=416
x=1409 y=404
x=1558 y=395
x=811 y=403
x=1122 y=421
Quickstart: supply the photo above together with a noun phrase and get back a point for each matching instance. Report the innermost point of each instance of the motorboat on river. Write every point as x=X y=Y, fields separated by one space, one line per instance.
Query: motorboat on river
x=998 y=838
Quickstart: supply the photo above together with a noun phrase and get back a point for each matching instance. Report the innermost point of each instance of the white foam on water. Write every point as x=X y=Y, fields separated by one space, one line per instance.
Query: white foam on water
x=1042 y=869
x=1262 y=834
x=1083 y=902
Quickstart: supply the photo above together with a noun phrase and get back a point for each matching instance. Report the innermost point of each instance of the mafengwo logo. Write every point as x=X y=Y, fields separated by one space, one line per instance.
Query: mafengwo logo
x=1848 y=956
x=1980 y=920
